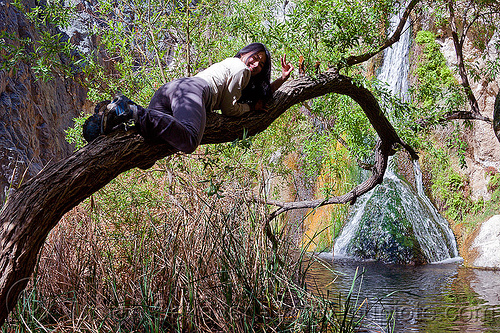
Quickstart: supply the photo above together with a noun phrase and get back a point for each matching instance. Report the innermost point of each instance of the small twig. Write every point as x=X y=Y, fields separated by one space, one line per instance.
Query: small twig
x=353 y=60
x=382 y=153
x=160 y=66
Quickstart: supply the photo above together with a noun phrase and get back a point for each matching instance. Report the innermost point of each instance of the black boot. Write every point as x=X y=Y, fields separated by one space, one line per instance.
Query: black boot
x=121 y=111
x=93 y=125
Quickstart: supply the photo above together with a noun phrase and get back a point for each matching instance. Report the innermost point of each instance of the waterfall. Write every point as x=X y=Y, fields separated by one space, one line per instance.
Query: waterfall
x=438 y=225
x=395 y=68
x=394 y=222
x=397 y=223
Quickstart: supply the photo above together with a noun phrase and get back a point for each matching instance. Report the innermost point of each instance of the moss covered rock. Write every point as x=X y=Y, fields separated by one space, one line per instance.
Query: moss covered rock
x=393 y=223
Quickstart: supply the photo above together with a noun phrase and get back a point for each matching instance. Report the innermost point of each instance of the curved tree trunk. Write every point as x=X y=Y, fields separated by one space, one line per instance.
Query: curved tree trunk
x=38 y=205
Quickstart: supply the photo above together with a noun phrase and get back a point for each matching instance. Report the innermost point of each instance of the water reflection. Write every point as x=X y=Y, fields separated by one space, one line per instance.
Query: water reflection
x=431 y=298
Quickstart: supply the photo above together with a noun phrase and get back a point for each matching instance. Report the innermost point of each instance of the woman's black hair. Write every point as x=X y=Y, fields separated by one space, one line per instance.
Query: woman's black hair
x=259 y=86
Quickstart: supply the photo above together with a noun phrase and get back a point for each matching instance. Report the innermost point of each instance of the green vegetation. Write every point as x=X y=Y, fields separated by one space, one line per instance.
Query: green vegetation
x=182 y=246
x=482 y=210
x=436 y=84
x=450 y=190
x=48 y=51
x=74 y=134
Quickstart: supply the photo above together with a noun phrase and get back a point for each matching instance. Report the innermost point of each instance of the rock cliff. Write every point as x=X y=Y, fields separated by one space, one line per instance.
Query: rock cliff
x=33 y=113
x=483 y=149
x=483 y=157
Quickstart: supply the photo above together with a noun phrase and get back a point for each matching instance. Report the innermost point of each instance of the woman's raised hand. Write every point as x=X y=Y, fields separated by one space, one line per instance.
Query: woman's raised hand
x=286 y=68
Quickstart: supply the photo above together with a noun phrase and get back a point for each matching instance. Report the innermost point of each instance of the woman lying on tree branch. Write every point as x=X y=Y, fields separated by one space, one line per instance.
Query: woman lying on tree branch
x=177 y=112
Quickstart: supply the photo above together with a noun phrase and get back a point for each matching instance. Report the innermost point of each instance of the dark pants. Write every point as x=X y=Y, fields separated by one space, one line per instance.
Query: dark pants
x=177 y=113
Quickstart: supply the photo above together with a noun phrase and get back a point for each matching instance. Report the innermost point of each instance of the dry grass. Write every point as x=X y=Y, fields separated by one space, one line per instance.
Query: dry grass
x=153 y=253
x=150 y=254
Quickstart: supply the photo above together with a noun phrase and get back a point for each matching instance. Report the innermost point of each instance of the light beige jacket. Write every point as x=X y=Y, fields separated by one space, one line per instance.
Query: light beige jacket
x=227 y=79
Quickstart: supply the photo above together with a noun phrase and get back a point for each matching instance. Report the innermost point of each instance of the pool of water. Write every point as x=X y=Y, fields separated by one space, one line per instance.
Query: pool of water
x=445 y=297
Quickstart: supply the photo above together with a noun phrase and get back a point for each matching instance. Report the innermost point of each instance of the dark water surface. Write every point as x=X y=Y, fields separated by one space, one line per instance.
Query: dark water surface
x=443 y=297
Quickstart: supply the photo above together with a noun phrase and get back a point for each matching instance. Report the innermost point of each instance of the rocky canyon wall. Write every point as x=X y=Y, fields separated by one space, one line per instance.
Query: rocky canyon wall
x=483 y=152
x=483 y=156
x=33 y=113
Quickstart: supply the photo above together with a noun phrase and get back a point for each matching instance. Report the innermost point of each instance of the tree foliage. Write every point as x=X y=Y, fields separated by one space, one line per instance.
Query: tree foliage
x=141 y=45
x=49 y=50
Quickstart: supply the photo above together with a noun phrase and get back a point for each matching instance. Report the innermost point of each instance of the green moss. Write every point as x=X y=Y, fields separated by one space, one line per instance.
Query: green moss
x=436 y=83
x=385 y=231
x=449 y=188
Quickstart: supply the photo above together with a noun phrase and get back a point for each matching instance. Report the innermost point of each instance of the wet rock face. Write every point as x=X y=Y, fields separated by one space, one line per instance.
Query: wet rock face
x=393 y=223
x=384 y=232
x=33 y=113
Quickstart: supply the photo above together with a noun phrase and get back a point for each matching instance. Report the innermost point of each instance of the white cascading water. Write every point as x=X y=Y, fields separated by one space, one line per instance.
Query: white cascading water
x=446 y=235
x=342 y=243
x=395 y=68
x=431 y=229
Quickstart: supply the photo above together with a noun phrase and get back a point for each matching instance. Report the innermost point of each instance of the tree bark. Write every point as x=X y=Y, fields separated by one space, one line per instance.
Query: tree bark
x=458 y=42
x=353 y=60
x=37 y=206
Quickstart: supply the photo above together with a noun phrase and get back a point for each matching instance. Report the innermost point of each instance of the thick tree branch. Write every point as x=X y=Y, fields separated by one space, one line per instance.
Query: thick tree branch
x=36 y=207
x=458 y=43
x=463 y=115
x=396 y=35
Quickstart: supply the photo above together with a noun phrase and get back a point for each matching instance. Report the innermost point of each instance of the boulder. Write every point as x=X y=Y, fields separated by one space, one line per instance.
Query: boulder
x=486 y=245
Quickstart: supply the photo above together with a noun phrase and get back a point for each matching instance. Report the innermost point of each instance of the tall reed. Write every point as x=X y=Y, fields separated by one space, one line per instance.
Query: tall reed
x=152 y=253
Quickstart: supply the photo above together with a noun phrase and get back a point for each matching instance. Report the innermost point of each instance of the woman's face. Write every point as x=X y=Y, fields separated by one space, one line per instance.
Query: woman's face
x=254 y=61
